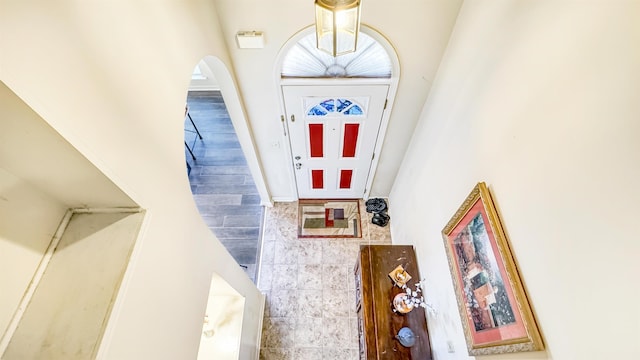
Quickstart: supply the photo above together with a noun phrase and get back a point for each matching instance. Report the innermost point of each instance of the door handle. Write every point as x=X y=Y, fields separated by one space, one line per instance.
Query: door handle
x=297 y=157
x=298 y=166
x=293 y=118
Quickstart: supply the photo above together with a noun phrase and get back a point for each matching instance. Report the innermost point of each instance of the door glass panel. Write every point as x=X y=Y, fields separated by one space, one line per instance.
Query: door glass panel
x=317 y=179
x=329 y=105
x=337 y=106
x=316 y=139
x=354 y=110
x=343 y=104
x=350 y=140
x=317 y=111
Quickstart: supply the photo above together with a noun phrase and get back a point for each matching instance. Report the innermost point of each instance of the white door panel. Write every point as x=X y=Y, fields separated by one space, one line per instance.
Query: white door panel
x=333 y=132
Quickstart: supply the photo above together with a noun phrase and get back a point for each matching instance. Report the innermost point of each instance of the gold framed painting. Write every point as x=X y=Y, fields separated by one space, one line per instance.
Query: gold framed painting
x=492 y=302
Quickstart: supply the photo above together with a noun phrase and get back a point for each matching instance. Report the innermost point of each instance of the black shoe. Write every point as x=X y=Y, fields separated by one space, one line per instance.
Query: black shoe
x=376 y=205
x=381 y=219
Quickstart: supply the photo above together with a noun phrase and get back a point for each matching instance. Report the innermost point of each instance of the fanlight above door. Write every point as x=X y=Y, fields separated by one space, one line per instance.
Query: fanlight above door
x=304 y=60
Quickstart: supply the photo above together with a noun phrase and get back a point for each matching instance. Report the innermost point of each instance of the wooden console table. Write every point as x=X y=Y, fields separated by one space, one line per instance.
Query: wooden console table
x=377 y=322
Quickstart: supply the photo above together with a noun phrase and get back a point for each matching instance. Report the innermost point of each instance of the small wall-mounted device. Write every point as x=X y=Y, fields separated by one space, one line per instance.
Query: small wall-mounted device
x=250 y=39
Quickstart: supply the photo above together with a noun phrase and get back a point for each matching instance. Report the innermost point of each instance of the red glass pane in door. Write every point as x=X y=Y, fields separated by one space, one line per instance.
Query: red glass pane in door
x=317 y=179
x=316 y=140
x=345 y=179
x=350 y=140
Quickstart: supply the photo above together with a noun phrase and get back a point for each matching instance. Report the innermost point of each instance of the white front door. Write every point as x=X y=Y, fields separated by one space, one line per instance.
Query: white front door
x=333 y=132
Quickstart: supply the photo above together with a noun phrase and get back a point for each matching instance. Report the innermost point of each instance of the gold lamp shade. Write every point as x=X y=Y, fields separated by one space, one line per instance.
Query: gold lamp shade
x=337 y=25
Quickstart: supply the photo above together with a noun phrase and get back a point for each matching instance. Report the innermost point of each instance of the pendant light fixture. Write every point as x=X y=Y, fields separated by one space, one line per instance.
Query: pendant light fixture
x=337 y=25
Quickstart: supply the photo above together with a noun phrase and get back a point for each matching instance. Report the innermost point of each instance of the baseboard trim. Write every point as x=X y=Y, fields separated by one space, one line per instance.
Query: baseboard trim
x=283 y=199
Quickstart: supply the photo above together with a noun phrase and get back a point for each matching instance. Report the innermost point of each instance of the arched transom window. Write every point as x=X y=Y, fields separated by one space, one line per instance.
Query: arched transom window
x=304 y=60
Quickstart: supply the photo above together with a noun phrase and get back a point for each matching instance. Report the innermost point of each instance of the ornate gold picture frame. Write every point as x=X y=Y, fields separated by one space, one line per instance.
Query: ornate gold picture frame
x=492 y=302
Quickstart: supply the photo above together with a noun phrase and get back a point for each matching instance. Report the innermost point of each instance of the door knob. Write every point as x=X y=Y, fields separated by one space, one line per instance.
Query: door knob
x=297 y=158
x=298 y=166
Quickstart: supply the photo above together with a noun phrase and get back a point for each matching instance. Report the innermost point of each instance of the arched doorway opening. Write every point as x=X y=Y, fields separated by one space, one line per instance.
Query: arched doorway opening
x=226 y=85
x=226 y=177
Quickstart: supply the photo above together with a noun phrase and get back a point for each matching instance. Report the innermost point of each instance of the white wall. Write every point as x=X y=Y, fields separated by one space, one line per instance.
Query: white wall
x=37 y=185
x=281 y=19
x=69 y=310
x=28 y=220
x=53 y=167
x=539 y=99
x=112 y=79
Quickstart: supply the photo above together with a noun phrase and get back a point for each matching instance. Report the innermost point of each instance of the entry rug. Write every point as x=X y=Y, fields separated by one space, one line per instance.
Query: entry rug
x=320 y=218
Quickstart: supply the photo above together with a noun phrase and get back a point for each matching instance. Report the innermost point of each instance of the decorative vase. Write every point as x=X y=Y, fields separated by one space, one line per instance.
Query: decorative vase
x=400 y=305
x=406 y=337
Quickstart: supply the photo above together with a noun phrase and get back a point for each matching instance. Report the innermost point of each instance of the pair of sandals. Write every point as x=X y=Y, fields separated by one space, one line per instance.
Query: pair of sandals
x=378 y=207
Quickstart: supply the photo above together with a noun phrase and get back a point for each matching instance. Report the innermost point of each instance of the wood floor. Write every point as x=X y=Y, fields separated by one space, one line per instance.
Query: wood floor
x=221 y=183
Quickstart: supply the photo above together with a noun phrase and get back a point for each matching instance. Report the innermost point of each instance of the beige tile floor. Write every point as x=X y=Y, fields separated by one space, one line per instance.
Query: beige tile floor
x=309 y=286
